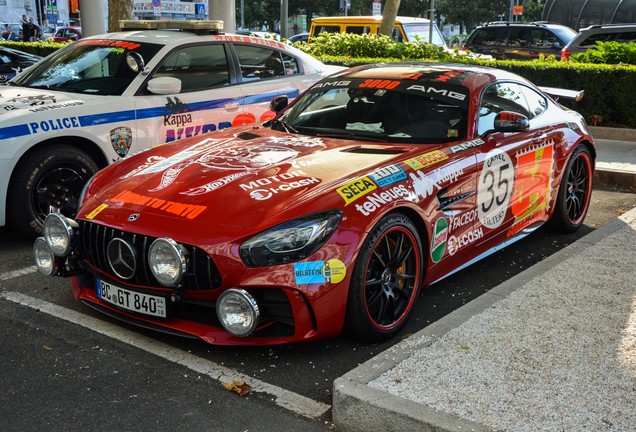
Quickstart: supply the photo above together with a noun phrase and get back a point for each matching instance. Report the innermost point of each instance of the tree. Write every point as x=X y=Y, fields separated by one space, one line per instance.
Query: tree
x=119 y=10
x=388 y=17
x=469 y=13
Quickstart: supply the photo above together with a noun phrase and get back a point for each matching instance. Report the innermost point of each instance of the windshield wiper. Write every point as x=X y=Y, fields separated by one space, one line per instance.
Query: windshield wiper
x=288 y=128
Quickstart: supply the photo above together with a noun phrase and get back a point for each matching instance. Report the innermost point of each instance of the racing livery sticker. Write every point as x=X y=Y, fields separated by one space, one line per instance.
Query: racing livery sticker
x=189 y=211
x=265 y=194
x=423 y=184
x=121 y=140
x=456 y=243
x=214 y=185
x=388 y=175
x=531 y=197
x=466 y=145
x=376 y=200
x=440 y=235
x=495 y=188
x=356 y=189
x=318 y=272
x=426 y=159
x=97 y=211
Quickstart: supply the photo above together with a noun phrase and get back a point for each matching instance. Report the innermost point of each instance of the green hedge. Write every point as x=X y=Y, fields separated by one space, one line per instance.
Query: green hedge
x=41 y=48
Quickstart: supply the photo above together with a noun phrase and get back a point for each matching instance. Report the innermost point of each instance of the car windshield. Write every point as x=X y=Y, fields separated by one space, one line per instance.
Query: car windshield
x=421 y=32
x=382 y=110
x=93 y=66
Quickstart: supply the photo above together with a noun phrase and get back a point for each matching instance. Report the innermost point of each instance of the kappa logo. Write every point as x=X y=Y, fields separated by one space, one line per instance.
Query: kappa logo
x=175 y=113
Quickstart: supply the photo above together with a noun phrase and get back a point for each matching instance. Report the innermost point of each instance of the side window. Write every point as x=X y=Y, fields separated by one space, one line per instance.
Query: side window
x=325 y=29
x=516 y=37
x=291 y=65
x=537 y=104
x=486 y=36
x=397 y=35
x=259 y=63
x=626 y=37
x=541 y=38
x=358 y=29
x=200 y=67
x=497 y=98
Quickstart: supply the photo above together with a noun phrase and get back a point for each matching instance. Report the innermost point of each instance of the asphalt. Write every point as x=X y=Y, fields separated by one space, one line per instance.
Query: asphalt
x=437 y=379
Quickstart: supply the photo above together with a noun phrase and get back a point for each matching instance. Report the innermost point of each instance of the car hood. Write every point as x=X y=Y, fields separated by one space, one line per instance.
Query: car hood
x=16 y=102
x=242 y=180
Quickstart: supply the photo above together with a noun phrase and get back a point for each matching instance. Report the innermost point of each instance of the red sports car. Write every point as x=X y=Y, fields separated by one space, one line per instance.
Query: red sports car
x=378 y=181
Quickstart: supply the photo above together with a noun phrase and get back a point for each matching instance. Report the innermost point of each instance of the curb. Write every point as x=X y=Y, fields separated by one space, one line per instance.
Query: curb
x=619 y=134
x=357 y=407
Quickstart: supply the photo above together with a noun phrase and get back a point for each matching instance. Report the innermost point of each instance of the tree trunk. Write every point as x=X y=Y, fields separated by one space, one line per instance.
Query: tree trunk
x=388 y=17
x=119 y=10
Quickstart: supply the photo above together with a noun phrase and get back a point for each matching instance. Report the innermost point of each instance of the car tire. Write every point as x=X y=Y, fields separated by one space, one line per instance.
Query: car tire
x=386 y=280
x=575 y=191
x=48 y=179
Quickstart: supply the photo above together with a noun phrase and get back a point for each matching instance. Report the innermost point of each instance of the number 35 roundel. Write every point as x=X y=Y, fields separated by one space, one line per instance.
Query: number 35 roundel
x=495 y=188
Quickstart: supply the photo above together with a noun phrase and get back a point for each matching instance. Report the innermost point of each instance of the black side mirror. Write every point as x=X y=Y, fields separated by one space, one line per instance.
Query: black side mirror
x=278 y=104
x=509 y=121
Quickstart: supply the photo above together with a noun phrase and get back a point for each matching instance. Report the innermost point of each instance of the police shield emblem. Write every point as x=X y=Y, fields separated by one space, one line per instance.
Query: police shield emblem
x=121 y=139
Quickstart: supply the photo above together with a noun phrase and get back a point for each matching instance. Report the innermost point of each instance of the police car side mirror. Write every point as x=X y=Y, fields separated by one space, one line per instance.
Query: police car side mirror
x=164 y=85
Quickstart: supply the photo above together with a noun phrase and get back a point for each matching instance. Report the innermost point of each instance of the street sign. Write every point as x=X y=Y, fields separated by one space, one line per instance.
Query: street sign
x=517 y=10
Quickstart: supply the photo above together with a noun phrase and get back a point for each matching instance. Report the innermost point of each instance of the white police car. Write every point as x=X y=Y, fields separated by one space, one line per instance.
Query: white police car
x=108 y=96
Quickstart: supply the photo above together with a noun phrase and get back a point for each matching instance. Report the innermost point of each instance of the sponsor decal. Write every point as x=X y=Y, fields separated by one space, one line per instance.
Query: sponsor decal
x=302 y=163
x=462 y=219
x=189 y=211
x=495 y=188
x=54 y=125
x=388 y=175
x=531 y=198
x=467 y=145
x=440 y=235
x=356 y=189
x=271 y=179
x=438 y=91
x=97 y=211
x=253 y=40
x=447 y=174
x=121 y=140
x=34 y=100
x=214 y=185
x=265 y=194
x=332 y=84
x=176 y=113
x=456 y=243
x=110 y=43
x=318 y=272
x=176 y=134
x=423 y=184
x=427 y=159
x=303 y=142
x=377 y=199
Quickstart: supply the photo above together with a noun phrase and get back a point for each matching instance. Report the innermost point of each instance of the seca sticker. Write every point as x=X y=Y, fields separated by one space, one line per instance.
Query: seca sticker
x=495 y=188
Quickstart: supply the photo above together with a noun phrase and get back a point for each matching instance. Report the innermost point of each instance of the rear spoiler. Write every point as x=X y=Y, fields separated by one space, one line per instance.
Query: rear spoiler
x=563 y=93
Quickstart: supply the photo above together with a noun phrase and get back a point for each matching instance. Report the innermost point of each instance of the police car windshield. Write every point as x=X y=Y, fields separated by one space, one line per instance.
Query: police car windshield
x=92 y=67
x=421 y=115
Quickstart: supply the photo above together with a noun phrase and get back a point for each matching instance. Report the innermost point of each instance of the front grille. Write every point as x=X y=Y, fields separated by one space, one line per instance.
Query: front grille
x=202 y=274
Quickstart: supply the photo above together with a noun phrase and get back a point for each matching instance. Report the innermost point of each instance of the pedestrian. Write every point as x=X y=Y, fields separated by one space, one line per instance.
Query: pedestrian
x=25 y=28
x=34 y=31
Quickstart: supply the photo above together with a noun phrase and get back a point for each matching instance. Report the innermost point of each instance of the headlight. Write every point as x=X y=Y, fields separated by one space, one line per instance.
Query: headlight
x=167 y=261
x=238 y=312
x=291 y=241
x=44 y=258
x=58 y=233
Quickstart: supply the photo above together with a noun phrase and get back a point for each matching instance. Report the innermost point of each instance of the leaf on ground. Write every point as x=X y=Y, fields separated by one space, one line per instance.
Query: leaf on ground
x=237 y=387
x=46 y=347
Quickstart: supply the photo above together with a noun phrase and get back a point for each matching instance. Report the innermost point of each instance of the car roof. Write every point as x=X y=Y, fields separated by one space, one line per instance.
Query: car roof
x=608 y=28
x=373 y=18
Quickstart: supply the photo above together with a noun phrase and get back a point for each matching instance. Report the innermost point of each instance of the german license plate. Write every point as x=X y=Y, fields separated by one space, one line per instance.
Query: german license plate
x=131 y=300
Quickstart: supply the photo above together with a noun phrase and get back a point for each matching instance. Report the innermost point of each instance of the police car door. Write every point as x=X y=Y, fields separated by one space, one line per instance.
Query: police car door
x=208 y=100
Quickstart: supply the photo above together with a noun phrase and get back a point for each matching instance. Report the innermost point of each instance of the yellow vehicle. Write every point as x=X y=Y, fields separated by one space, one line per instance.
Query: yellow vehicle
x=406 y=29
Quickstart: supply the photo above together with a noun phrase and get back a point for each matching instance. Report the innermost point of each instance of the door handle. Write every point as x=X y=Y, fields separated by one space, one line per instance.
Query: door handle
x=231 y=106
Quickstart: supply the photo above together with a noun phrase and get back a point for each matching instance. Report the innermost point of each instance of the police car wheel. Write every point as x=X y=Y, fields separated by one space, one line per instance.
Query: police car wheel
x=48 y=179
x=386 y=280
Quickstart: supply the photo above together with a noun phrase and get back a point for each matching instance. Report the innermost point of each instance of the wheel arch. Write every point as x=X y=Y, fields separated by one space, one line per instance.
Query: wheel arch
x=90 y=147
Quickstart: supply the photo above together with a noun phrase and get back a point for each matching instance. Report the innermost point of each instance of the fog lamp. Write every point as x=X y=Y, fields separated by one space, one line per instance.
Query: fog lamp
x=238 y=312
x=167 y=261
x=58 y=233
x=44 y=258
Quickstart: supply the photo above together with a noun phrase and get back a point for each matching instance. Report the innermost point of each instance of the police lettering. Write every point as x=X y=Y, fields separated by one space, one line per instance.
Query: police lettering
x=53 y=125
x=189 y=131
